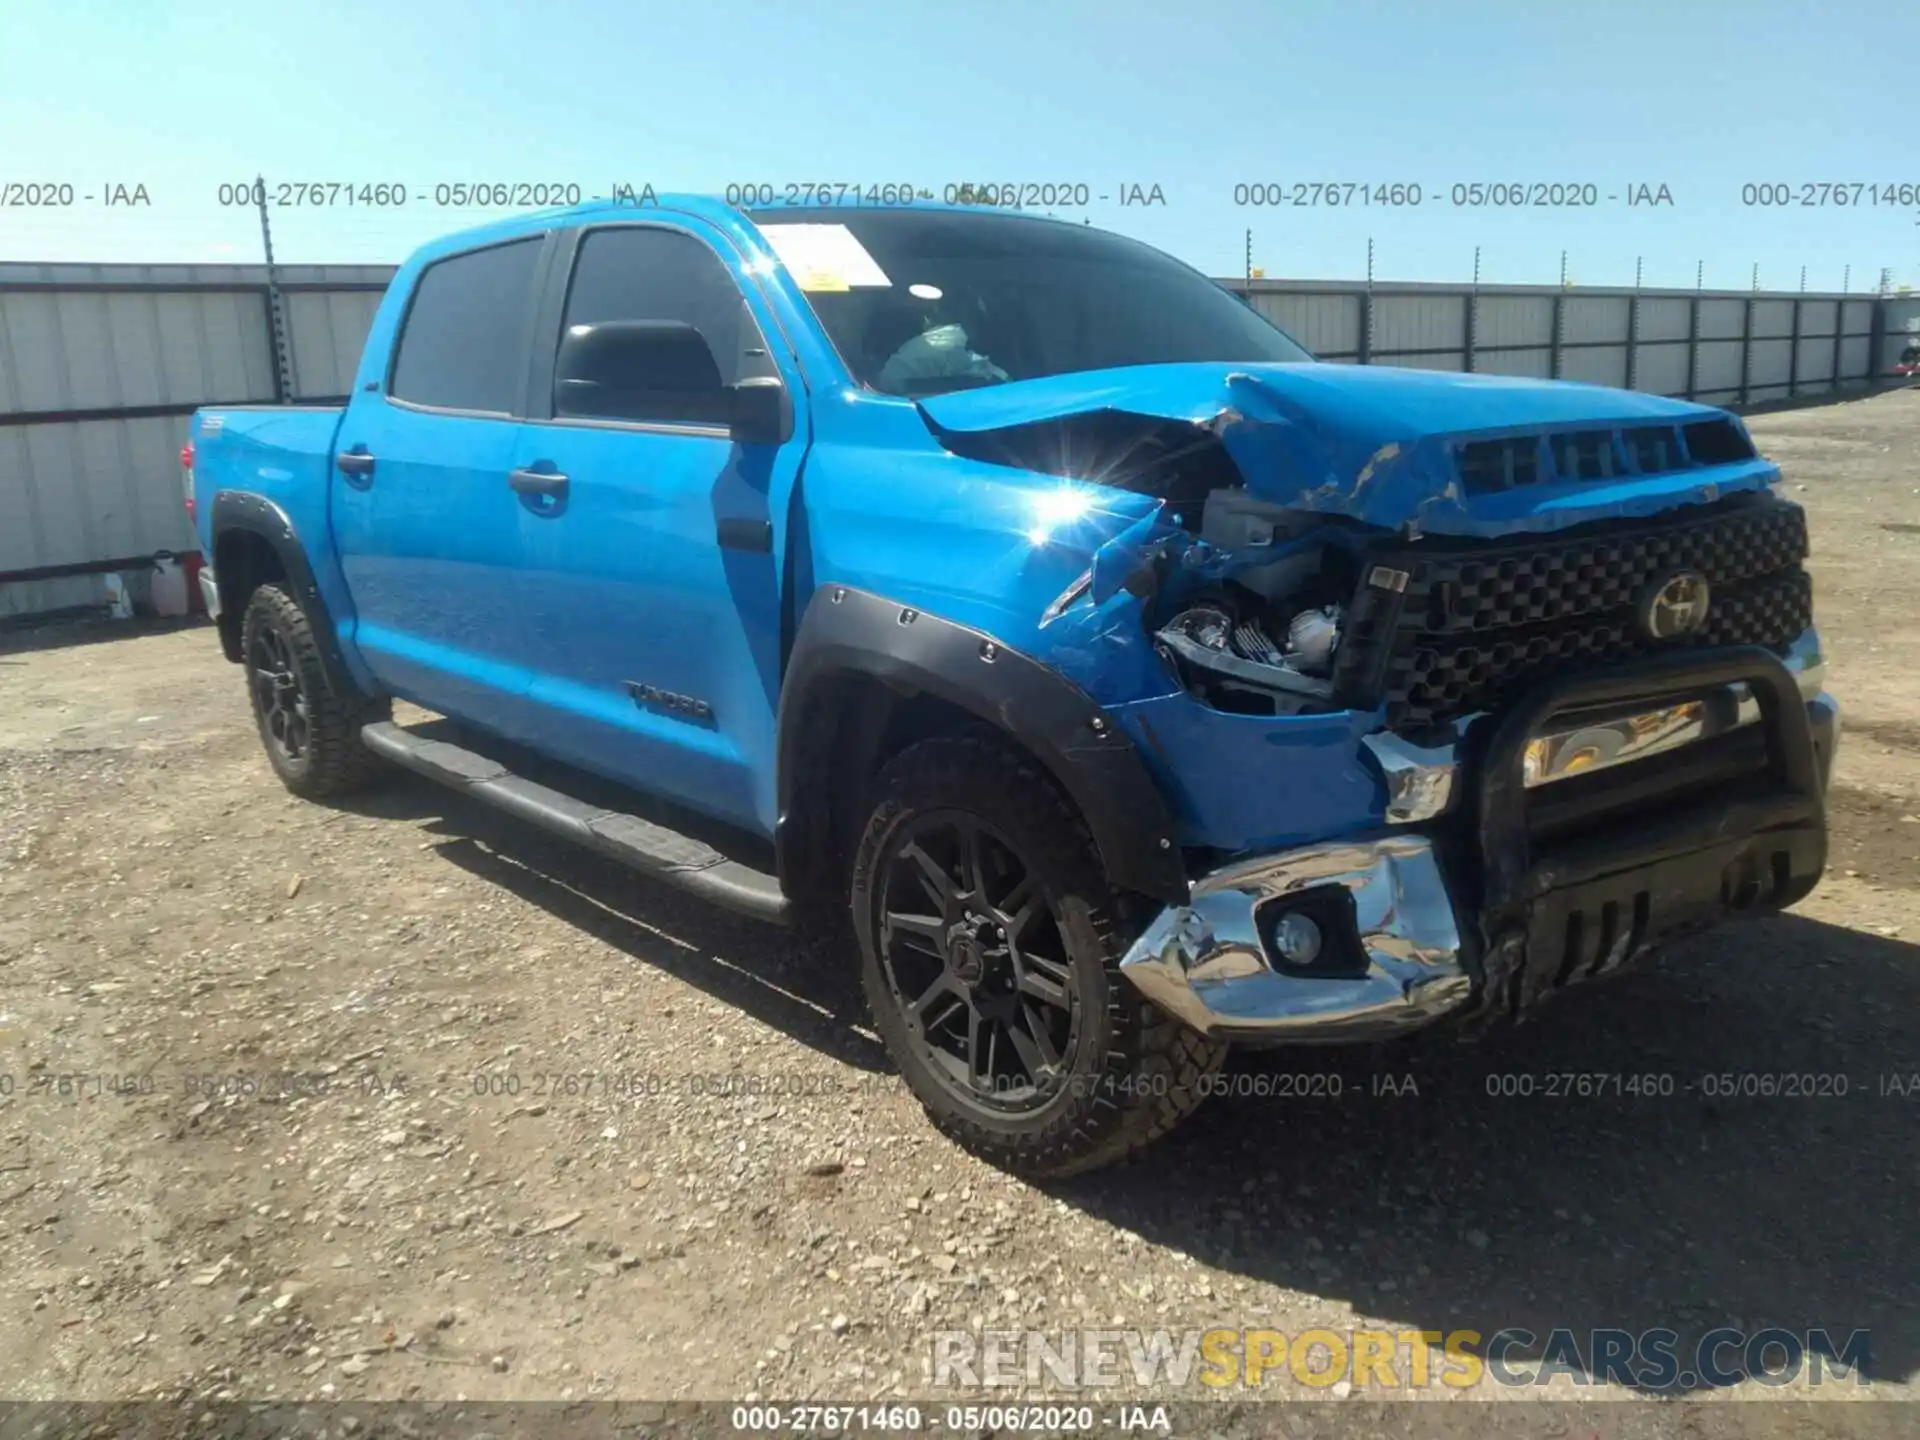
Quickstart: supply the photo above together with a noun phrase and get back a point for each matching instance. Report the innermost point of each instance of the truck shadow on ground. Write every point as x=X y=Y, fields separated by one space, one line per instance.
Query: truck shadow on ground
x=1466 y=1187
x=762 y=970
x=35 y=634
x=1434 y=1186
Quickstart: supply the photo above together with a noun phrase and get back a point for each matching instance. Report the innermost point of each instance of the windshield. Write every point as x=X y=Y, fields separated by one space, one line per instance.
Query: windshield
x=920 y=302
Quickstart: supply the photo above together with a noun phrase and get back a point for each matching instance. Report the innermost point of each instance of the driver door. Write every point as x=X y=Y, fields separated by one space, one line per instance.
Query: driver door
x=647 y=553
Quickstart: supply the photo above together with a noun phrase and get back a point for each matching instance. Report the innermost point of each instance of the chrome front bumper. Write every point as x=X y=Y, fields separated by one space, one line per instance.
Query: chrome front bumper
x=1209 y=964
x=1206 y=962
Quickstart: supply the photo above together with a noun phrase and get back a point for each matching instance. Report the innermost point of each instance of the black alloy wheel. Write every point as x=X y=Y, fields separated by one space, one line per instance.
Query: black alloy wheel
x=309 y=727
x=279 y=697
x=975 y=959
x=990 y=943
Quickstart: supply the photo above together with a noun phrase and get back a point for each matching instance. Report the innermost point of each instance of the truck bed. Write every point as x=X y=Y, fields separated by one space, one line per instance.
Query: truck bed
x=281 y=452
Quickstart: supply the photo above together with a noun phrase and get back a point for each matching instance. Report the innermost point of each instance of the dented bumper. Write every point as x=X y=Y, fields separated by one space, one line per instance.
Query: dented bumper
x=1393 y=963
x=1521 y=889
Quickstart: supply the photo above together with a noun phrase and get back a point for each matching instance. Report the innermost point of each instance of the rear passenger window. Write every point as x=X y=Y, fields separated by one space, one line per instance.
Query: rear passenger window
x=655 y=330
x=464 y=344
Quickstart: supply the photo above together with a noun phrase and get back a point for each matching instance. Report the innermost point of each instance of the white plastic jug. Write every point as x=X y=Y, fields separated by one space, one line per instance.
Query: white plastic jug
x=119 y=601
x=169 y=592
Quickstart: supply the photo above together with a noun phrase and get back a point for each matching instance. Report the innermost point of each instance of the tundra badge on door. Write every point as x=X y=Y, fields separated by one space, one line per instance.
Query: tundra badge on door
x=653 y=697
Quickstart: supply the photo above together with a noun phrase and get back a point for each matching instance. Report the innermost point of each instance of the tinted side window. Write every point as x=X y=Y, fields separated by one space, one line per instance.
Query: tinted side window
x=463 y=346
x=645 y=310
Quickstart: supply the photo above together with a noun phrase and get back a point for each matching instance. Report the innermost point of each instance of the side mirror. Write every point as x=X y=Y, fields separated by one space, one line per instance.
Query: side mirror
x=663 y=371
x=641 y=370
x=760 y=411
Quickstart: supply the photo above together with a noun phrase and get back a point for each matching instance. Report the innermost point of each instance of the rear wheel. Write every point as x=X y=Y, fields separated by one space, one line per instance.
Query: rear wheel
x=990 y=959
x=311 y=734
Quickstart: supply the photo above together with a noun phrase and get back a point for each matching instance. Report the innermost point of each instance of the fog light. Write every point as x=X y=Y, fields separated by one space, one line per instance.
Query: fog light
x=1297 y=939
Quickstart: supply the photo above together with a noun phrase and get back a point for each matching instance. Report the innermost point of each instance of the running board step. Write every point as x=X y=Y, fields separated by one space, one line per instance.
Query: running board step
x=644 y=846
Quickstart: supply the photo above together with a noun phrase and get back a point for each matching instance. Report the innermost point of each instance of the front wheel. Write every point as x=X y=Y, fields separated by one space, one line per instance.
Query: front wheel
x=990 y=959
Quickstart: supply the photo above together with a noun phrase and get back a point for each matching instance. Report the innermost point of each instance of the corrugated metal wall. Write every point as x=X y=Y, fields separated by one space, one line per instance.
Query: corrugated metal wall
x=1719 y=347
x=100 y=366
x=1902 y=327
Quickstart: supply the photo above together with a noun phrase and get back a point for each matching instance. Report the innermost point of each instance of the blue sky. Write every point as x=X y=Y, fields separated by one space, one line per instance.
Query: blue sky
x=1702 y=96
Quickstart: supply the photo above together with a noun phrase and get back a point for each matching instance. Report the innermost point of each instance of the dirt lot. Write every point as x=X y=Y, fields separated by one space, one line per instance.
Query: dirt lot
x=490 y=1165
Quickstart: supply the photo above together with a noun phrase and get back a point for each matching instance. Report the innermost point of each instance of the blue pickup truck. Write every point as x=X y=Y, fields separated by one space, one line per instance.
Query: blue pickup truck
x=1019 y=606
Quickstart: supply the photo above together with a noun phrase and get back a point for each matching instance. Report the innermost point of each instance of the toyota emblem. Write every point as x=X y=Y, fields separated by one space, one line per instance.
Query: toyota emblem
x=1675 y=605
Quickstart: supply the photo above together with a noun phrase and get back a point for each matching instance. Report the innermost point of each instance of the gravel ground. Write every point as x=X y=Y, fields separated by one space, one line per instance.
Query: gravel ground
x=398 y=1099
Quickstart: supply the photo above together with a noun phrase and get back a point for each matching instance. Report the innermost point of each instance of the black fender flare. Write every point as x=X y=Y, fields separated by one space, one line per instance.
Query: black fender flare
x=235 y=510
x=912 y=652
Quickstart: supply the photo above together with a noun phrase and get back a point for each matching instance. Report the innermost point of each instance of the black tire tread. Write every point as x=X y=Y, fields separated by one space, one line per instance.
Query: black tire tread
x=1159 y=1067
x=339 y=762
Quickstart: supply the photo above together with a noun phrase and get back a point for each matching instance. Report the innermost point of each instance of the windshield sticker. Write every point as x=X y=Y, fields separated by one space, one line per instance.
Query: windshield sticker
x=824 y=257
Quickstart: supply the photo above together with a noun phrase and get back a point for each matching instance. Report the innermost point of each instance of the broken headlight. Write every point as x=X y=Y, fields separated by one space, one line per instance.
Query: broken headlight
x=1234 y=663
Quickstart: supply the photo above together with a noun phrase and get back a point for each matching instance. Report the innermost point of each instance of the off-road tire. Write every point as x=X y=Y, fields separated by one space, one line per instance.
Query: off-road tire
x=1136 y=1072
x=331 y=760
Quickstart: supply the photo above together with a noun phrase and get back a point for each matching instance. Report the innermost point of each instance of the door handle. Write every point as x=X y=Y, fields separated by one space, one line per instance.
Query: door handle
x=538 y=482
x=356 y=465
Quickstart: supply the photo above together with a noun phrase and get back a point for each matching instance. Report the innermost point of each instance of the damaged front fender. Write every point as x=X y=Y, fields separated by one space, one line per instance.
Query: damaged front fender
x=1252 y=783
x=849 y=633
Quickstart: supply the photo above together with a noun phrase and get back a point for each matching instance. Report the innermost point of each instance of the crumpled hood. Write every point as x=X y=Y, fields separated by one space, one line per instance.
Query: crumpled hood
x=1372 y=443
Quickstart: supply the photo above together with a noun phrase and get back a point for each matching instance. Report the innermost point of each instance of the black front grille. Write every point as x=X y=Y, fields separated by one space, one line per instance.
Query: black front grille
x=1473 y=624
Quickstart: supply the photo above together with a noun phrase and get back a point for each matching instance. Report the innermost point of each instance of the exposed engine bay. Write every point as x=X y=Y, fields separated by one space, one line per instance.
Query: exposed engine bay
x=1244 y=598
x=1262 y=639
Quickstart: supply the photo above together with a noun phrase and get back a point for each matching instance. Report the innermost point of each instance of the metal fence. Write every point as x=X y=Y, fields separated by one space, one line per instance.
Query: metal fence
x=1720 y=347
x=100 y=366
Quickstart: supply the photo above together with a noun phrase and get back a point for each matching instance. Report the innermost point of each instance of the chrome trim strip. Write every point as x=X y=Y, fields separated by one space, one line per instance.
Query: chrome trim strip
x=1421 y=781
x=210 y=592
x=1596 y=743
x=1619 y=737
x=1205 y=963
x=1066 y=597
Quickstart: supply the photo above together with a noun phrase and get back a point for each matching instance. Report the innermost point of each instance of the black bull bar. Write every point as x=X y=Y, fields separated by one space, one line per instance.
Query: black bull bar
x=1556 y=912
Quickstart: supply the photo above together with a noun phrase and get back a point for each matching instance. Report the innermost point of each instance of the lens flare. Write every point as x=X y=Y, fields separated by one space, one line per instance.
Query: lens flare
x=1053 y=509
